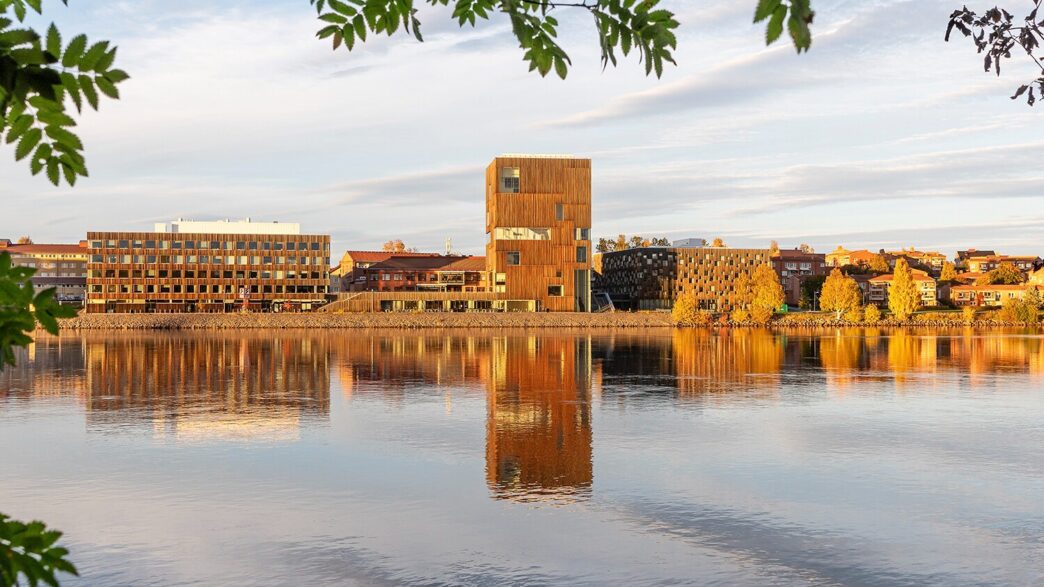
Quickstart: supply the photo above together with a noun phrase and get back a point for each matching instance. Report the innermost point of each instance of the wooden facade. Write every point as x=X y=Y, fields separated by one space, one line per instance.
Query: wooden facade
x=198 y=272
x=548 y=199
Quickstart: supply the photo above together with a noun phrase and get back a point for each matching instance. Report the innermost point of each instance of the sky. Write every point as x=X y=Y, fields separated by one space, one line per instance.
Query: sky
x=882 y=136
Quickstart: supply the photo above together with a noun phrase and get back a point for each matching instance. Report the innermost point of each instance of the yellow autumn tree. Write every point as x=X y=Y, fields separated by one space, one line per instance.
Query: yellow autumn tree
x=718 y=242
x=903 y=297
x=767 y=294
x=840 y=294
x=949 y=272
x=687 y=312
x=878 y=264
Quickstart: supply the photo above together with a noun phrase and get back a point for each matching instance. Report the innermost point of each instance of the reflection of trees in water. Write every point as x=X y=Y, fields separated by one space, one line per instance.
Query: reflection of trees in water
x=49 y=367
x=747 y=359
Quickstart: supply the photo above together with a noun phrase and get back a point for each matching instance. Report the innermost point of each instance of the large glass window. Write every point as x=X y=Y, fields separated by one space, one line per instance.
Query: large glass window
x=554 y=291
x=522 y=234
x=509 y=180
x=583 y=234
x=514 y=258
x=581 y=254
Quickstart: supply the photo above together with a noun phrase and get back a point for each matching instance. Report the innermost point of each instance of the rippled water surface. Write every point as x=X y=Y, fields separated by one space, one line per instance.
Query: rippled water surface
x=329 y=458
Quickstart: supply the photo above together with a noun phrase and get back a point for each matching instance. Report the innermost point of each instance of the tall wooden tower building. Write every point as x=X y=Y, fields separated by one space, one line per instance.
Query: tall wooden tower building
x=538 y=217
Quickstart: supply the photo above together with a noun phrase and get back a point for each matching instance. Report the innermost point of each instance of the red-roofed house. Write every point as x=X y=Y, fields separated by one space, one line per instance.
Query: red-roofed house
x=61 y=266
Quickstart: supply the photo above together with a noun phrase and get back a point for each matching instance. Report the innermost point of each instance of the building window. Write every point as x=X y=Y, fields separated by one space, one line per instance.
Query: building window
x=583 y=234
x=514 y=258
x=559 y=211
x=509 y=180
x=522 y=234
x=581 y=254
x=554 y=291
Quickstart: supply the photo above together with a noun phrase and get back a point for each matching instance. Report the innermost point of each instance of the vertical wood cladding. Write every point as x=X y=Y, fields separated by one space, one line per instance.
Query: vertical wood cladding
x=543 y=184
x=159 y=271
x=651 y=278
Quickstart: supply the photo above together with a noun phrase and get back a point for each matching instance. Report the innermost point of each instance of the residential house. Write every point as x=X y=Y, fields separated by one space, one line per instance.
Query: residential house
x=794 y=266
x=926 y=285
x=61 y=266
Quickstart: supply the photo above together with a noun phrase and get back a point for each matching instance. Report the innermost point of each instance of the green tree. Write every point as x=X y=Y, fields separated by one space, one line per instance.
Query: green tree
x=40 y=79
x=903 y=296
x=30 y=550
x=767 y=294
x=622 y=27
x=840 y=294
x=810 y=288
x=949 y=272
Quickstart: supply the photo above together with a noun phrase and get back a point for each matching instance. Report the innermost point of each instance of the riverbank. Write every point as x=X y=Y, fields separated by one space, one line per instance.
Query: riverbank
x=367 y=320
x=477 y=320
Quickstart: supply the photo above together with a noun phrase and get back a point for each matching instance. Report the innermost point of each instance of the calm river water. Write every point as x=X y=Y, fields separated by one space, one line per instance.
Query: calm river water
x=849 y=457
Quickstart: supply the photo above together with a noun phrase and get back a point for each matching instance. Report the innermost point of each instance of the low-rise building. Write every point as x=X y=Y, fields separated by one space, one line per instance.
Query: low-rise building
x=931 y=261
x=794 y=266
x=190 y=266
x=987 y=263
x=986 y=295
x=352 y=262
x=651 y=278
x=443 y=273
x=926 y=286
x=61 y=266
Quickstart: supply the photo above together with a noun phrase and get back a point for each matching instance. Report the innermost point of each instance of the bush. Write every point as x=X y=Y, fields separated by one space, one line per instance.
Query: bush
x=686 y=311
x=854 y=315
x=1015 y=310
x=761 y=314
x=872 y=314
x=740 y=315
x=968 y=315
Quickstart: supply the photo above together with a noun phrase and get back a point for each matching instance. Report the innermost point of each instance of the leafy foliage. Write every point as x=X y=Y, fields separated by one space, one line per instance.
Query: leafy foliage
x=1018 y=311
x=30 y=550
x=767 y=292
x=21 y=309
x=871 y=314
x=878 y=264
x=903 y=297
x=1004 y=274
x=686 y=311
x=995 y=35
x=39 y=77
x=796 y=14
x=623 y=26
x=949 y=272
x=841 y=294
x=622 y=243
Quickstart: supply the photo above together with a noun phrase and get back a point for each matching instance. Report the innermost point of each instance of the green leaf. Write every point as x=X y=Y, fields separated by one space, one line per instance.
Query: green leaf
x=765 y=9
x=107 y=87
x=21 y=124
x=73 y=87
x=52 y=171
x=93 y=55
x=775 y=25
x=54 y=41
x=64 y=137
x=27 y=143
x=74 y=51
x=116 y=75
x=87 y=87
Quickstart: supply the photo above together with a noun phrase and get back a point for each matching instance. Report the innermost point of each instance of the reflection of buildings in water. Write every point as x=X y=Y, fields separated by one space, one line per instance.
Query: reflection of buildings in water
x=50 y=367
x=538 y=431
x=391 y=362
x=208 y=385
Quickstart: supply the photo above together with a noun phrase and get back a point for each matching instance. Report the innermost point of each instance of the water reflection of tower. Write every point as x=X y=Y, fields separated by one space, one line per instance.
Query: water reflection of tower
x=538 y=430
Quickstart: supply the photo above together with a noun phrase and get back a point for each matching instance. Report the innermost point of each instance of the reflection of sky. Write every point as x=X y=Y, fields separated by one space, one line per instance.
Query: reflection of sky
x=932 y=482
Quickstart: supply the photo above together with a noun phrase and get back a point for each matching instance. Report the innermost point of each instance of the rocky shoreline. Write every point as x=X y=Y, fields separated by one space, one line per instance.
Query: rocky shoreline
x=366 y=320
x=405 y=320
